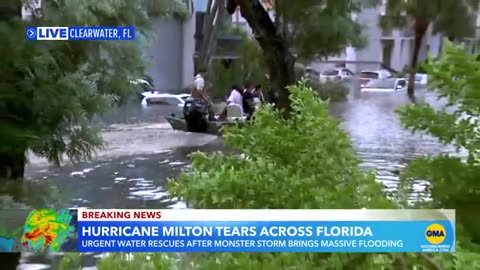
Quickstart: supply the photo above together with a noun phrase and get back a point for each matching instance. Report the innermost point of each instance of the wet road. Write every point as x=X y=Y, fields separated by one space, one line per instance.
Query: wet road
x=137 y=180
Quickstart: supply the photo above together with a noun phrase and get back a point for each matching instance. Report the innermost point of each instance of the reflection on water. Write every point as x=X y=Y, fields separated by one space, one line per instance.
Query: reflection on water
x=139 y=181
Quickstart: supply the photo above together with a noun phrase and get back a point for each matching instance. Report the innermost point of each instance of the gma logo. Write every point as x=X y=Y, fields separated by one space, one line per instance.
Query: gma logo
x=435 y=234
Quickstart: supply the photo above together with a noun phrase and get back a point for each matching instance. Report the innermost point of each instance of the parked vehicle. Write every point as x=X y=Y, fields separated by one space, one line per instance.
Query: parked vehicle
x=421 y=79
x=385 y=85
x=171 y=103
x=164 y=99
x=143 y=83
x=368 y=75
x=336 y=74
x=312 y=74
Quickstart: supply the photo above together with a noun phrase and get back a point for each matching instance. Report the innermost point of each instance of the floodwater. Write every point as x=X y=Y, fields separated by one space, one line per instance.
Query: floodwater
x=143 y=152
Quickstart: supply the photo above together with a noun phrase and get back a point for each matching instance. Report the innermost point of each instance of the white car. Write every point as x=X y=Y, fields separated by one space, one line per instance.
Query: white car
x=177 y=100
x=145 y=85
x=312 y=74
x=421 y=79
x=336 y=74
x=368 y=75
x=385 y=85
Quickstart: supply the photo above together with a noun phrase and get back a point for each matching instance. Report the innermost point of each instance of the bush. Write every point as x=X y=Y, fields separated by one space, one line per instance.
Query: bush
x=138 y=261
x=454 y=183
x=332 y=90
x=316 y=162
x=310 y=140
x=307 y=155
x=250 y=66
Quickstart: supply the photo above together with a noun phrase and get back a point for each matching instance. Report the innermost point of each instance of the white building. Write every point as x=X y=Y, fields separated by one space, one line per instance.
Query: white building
x=241 y=23
x=385 y=48
x=390 y=48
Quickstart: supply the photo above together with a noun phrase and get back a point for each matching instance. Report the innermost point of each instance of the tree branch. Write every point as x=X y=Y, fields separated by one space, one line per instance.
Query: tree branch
x=209 y=31
x=432 y=262
x=277 y=55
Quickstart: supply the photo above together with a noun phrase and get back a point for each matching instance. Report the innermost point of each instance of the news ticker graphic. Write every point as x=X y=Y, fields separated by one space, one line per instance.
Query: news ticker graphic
x=80 y=33
x=114 y=230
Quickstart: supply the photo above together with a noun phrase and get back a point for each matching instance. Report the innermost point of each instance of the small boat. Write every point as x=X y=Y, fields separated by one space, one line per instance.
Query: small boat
x=213 y=127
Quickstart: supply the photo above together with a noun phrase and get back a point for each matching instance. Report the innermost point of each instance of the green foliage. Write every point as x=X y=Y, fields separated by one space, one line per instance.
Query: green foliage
x=138 y=261
x=316 y=163
x=454 y=181
x=156 y=8
x=450 y=17
x=270 y=174
x=70 y=261
x=331 y=90
x=250 y=66
x=51 y=89
x=320 y=28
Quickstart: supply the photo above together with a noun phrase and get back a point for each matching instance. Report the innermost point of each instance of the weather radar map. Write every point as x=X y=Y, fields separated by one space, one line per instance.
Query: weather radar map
x=49 y=230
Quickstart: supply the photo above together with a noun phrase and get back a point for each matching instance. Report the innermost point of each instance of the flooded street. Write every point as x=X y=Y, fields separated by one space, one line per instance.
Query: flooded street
x=143 y=152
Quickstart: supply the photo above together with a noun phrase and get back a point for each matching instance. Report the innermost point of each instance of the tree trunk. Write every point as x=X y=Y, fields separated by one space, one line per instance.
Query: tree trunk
x=209 y=30
x=420 y=30
x=10 y=261
x=278 y=57
x=12 y=167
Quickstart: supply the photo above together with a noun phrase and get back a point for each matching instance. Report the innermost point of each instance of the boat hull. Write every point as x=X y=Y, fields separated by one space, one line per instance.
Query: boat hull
x=213 y=127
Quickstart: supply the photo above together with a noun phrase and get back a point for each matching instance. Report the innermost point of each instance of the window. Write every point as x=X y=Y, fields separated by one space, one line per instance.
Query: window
x=330 y=72
x=401 y=83
x=347 y=72
x=382 y=83
x=369 y=75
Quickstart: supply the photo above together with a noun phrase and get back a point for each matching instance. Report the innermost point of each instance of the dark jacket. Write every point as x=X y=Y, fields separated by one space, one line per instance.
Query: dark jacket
x=248 y=102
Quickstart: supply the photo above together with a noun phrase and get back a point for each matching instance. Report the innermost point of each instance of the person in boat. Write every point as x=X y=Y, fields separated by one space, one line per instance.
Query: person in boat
x=248 y=103
x=199 y=92
x=258 y=97
x=235 y=97
x=271 y=97
x=257 y=93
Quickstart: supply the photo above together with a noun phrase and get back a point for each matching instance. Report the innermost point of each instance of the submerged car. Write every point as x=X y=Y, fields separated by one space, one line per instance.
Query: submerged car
x=144 y=86
x=385 y=85
x=421 y=79
x=369 y=75
x=155 y=97
x=337 y=74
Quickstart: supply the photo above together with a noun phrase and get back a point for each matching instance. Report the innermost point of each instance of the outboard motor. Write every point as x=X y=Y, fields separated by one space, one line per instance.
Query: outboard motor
x=195 y=112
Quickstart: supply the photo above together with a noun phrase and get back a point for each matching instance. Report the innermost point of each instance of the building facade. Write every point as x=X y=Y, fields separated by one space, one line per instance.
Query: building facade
x=391 y=49
x=168 y=49
x=171 y=47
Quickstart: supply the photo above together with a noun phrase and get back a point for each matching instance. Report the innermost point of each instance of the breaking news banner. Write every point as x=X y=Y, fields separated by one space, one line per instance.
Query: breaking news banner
x=80 y=33
x=266 y=230
x=115 y=230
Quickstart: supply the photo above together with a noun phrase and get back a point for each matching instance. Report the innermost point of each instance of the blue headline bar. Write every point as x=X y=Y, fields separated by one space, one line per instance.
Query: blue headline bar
x=262 y=236
x=80 y=33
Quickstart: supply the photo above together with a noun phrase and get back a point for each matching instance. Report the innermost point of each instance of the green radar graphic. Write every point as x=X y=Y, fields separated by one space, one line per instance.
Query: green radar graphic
x=47 y=230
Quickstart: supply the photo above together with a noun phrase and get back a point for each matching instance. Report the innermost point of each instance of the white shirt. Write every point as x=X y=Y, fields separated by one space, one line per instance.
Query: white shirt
x=199 y=82
x=235 y=98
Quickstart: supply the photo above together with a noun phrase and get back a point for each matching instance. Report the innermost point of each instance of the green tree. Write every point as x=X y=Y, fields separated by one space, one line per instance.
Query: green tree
x=453 y=181
x=249 y=66
x=453 y=18
x=265 y=177
x=304 y=29
x=51 y=89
